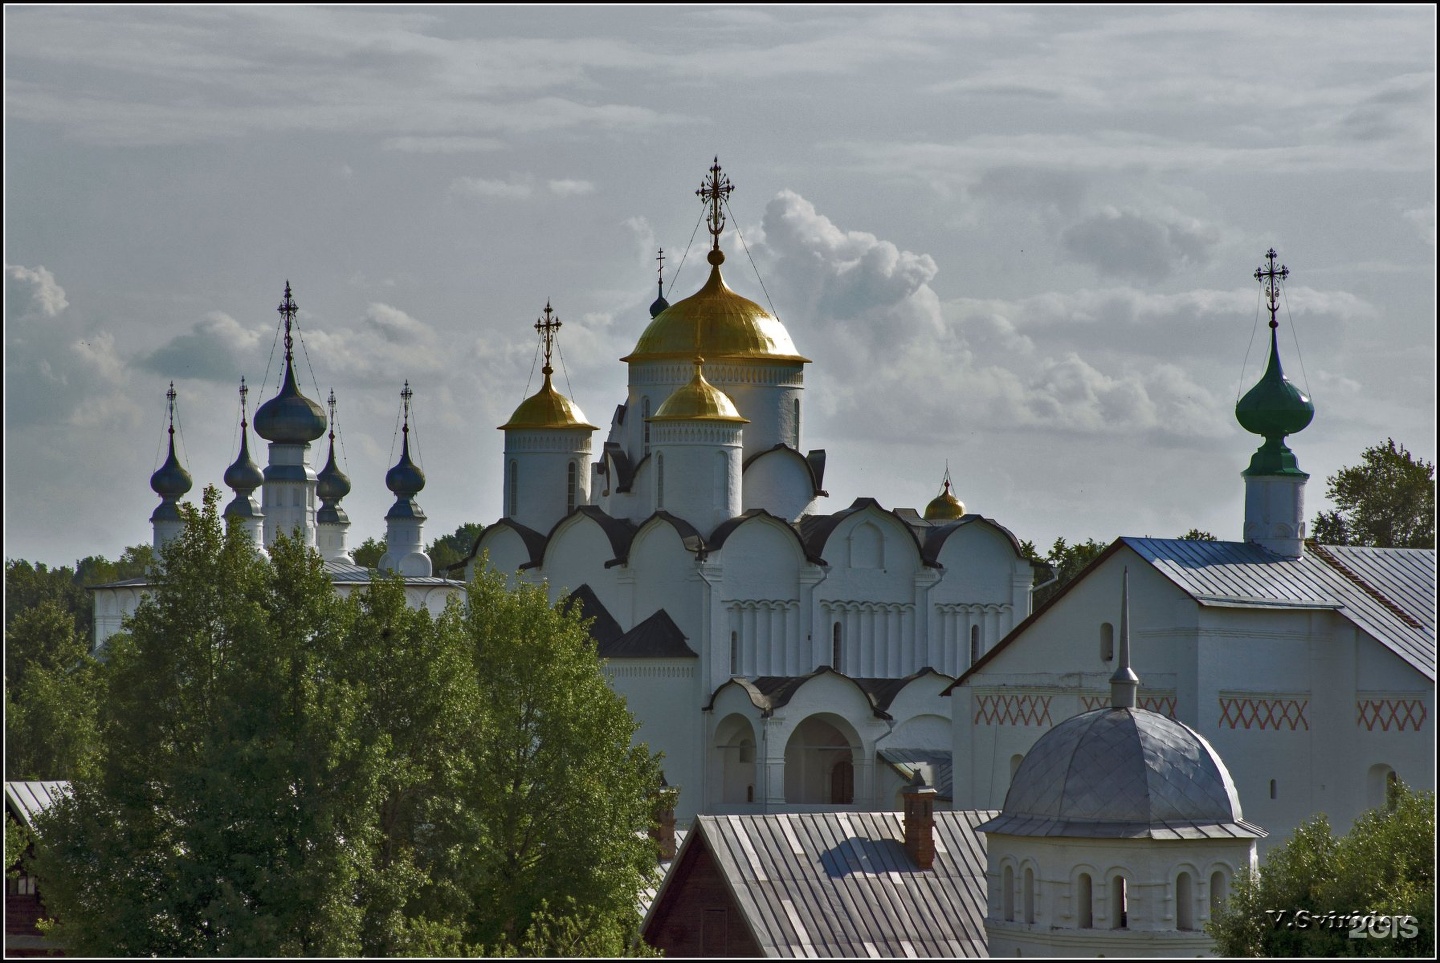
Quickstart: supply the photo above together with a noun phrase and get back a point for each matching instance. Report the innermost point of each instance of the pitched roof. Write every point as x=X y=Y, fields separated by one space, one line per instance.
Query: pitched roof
x=658 y=637
x=841 y=884
x=29 y=799
x=1389 y=593
x=935 y=766
x=604 y=630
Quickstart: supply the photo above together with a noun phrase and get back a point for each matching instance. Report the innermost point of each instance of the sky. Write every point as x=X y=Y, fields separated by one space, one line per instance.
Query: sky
x=1017 y=241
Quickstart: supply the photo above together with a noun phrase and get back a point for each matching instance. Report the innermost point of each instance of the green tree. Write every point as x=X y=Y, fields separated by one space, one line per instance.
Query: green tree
x=1198 y=535
x=1384 y=866
x=557 y=790
x=285 y=772
x=53 y=692
x=1066 y=561
x=455 y=547
x=369 y=553
x=1387 y=501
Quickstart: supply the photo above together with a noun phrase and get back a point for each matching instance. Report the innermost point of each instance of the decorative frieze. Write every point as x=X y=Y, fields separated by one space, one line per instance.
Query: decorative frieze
x=1020 y=709
x=1386 y=713
x=1257 y=711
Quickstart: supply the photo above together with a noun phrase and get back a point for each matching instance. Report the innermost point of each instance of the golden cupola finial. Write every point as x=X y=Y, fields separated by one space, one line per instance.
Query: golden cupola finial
x=715 y=321
x=547 y=408
x=945 y=507
x=699 y=401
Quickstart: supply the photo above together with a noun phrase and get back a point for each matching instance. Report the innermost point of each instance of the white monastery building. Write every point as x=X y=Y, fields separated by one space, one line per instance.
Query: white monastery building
x=789 y=660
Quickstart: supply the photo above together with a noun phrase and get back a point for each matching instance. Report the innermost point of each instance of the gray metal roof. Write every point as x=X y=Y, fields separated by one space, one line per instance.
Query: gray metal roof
x=1387 y=592
x=29 y=799
x=841 y=884
x=935 y=766
x=658 y=637
x=1122 y=773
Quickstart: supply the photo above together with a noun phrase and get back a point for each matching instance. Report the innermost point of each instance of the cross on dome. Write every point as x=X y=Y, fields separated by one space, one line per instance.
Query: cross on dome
x=715 y=191
x=547 y=325
x=1270 y=278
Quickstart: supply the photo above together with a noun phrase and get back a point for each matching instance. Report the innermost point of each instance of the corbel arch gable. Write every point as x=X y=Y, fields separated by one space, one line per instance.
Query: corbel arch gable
x=506 y=541
x=822 y=533
x=685 y=535
x=616 y=533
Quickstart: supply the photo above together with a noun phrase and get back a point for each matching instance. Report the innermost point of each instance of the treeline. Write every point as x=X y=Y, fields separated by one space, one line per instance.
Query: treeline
x=272 y=769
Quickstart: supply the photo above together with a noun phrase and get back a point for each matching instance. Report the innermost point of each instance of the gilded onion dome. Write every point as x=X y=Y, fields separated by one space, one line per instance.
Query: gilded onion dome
x=547 y=408
x=717 y=323
x=289 y=418
x=1274 y=407
x=944 y=507
x=699 y=401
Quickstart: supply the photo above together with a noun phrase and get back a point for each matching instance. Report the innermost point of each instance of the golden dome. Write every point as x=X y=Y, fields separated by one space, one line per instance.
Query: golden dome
x=699 y=401
x=717 y=323
x=547 y=408
x=944 y=507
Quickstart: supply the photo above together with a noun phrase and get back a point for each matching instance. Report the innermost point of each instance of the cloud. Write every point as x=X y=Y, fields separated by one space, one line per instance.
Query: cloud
x=488 y=187
x=34 y=291
x=442 y=145
x=56 y=371
x=571 y=188
x=385 y=345
x=218 y=348
x=1126 y=244
x=1424 y=220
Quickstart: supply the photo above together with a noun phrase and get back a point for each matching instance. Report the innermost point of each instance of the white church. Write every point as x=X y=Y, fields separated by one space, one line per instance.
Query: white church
x=788 y=660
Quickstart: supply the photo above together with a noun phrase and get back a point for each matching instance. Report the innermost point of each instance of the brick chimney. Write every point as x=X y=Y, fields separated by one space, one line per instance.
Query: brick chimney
x=663 y=830
x=920 y=821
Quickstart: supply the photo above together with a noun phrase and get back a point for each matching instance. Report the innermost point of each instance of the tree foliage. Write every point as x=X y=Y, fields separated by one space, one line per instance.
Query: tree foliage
x=1066 y=561
x=1387 y=501
x=1306 y=896
x=455 y=547
x=369 y=553
x=286 y=772
x=1198 y=535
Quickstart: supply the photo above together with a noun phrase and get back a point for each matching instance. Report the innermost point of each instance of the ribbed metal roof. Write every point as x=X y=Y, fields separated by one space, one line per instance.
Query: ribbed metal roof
x=841 y=884
x=1122 y=773
x=658 y=637
x=935 y=766
x=29 y=799
x=1387 y=592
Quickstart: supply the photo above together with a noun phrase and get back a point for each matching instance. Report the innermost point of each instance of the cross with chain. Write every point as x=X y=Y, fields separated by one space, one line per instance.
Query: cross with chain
x=547 y=326
x=332 y=411
x=1270 y=277
x=287 y=311
x=405 y=395
x=715 y=192
x=244 y=403
x=170 y=407
x=661 y=270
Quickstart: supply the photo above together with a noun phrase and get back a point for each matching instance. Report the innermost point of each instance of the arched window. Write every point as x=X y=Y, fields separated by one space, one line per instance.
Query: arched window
x=1184 y=903
x=1007 y=893
x=734 y=653
x=570 y=488
x=1272 y=789
x=974 y=644
x=645 y=422
x=1107 y=642
x=1218 y=893
x=1029 y=895
x=1119 y=917
x=1085 y=902
x=659 y=481
x=796 y=403
x=514 y=490
x=835 y=647
x=1381 y=778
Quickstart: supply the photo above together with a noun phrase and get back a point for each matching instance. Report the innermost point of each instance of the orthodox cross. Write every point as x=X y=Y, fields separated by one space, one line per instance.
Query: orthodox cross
x=547 y=326
x=170 y=410
x=405 y=395
x=947 y=474
x=1269 y=277
x=716 y=191
x=244 y=404
x=331 y=403
x=287 y=311
x=661 y=270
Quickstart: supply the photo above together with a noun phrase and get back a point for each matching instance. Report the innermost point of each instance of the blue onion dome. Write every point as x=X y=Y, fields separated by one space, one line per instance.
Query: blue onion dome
x=170 y=479
x=244 y=476
x=1274 y=407
x=290 y=418
x=405 y=479
x=332 y=484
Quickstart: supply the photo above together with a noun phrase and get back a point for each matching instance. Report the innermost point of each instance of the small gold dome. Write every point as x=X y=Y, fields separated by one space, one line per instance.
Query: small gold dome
x=717 y=323
x=699 y=401
x=944 y=507
x=547 y=408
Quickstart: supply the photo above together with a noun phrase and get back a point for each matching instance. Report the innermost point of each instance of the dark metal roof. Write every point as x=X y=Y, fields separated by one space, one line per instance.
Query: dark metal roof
x=1122 y=773
x=770 y=692
x=882 y=692
x=620 y=531
x=814 y=466
x=533 y=540
x=29 y=799
x=841 y=884
x=1387 y=592
x=935 y=766
x=816 y=529
x=347 y=573
x=658 y=637
x=727 y=528
x=604 y=629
